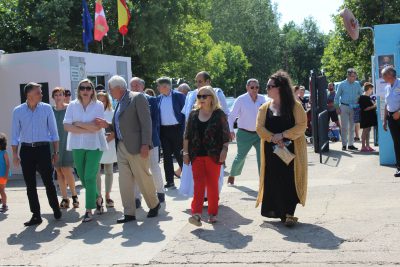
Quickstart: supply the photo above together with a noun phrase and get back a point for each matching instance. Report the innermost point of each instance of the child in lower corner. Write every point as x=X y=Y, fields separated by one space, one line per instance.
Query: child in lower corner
x=4 y=171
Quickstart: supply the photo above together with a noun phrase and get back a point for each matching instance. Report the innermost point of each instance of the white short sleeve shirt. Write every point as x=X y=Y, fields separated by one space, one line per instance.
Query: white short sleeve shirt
x=76 y=113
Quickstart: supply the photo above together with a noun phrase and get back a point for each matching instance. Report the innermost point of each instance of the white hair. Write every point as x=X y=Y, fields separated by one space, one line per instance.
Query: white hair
x=117 y=81
x=139 y=80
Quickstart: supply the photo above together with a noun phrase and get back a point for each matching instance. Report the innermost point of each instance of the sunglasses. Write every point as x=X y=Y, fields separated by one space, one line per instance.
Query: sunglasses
x=199 y=81
x=202 y=96
x=254 y=87
x=87 y=88
x=271 y=86
x=68 y=94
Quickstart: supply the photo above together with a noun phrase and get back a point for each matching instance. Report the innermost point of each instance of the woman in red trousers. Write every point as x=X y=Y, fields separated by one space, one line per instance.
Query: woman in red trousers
x=206 y=146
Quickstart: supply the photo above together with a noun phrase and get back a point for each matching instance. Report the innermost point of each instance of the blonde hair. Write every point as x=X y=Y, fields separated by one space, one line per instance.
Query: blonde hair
x=108 y=102
x=214 y=100
x=93 y=97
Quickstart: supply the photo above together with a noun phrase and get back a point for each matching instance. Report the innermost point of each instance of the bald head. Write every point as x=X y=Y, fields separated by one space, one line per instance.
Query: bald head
x=184 y=88
x=137 y=84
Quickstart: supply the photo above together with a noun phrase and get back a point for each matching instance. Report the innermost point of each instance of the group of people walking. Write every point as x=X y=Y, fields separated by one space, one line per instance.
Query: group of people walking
x=195 y=129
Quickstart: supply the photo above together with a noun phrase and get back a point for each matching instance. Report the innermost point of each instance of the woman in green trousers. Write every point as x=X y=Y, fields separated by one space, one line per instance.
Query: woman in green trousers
x=87 y=142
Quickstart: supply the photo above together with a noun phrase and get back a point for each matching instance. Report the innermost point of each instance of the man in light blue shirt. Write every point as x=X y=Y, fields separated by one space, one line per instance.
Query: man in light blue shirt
x=346 y=100
x=34 y=128
x=392 y=110
x=170 y=105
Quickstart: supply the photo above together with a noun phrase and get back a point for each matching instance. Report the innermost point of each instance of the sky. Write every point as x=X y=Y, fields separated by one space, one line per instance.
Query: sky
x=298 y=10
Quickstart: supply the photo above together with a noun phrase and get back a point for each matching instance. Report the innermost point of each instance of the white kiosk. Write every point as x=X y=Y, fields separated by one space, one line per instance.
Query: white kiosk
x=52 y=68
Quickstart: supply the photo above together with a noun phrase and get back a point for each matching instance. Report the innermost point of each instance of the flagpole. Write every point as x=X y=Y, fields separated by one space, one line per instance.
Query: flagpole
x=101 y=45
x=123 y=40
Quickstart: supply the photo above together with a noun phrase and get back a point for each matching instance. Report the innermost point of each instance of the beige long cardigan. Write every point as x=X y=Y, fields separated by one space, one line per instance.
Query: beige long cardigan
x=300 y=149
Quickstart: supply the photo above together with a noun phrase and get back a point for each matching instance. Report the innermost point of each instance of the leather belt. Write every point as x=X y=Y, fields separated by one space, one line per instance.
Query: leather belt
x=171 y=126
x=344 y=104
x=35 y=144
x=252 y=132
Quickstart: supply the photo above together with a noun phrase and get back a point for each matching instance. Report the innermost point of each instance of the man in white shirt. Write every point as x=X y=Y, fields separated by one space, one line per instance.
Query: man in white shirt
x=245 y=110
x=203 y=78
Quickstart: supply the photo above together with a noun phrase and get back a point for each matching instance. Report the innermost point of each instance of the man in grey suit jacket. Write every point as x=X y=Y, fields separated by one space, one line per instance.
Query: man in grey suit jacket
x=133 y=128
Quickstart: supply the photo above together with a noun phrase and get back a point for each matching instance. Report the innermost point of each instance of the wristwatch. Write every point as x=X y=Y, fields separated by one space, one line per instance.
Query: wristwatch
x=56 y=153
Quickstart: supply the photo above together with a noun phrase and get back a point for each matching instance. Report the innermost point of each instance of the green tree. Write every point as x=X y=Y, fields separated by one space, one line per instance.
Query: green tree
x=229 y=66
x=253 y=25
x=171 y=37
x=342 y=53
x=302 y=49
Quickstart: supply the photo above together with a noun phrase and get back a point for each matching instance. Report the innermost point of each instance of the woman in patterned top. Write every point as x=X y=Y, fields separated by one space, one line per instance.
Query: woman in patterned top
x=206 y=146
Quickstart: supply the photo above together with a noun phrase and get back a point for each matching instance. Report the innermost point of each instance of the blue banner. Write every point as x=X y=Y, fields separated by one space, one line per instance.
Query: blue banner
x=87 y=25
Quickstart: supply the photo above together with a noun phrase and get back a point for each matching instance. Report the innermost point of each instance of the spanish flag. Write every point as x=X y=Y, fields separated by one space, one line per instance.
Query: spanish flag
x=124 y=17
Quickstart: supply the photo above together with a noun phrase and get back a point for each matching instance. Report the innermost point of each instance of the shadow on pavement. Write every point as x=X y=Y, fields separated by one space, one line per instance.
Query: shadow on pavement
x=333 y=157
x=30 y=239
x=3 y=216
x=224 y=231
x=315 y=236
x=147 y=231
x=250 y=192
x=174 y=193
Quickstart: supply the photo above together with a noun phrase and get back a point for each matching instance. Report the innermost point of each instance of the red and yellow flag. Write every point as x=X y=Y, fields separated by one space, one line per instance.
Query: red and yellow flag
x=124 y=16
x=100 y=22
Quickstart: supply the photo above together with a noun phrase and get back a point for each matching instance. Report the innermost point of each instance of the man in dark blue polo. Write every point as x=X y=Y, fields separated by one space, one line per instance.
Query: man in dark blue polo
x=34 y=129
x=170 y=104
x=138 y=85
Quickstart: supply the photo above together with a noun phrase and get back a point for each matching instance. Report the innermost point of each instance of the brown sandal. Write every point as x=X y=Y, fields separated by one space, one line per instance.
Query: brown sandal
x=291 y=220
x=64 y=204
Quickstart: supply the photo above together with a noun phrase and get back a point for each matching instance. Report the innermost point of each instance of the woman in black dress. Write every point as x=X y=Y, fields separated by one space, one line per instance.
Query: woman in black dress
x=282 y=122
x=368 y=116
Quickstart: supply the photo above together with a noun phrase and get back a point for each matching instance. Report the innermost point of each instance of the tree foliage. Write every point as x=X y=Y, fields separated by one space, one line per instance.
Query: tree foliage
x=342 y=53
x=302 y=49
x=233 y=39
x=253 y=25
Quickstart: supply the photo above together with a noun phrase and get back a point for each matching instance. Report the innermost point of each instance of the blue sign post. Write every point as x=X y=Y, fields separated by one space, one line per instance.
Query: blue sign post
x=387 y=52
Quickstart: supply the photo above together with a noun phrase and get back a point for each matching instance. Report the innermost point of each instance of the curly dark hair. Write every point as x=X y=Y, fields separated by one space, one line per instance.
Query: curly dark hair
x=3 y=141
x=283 y=81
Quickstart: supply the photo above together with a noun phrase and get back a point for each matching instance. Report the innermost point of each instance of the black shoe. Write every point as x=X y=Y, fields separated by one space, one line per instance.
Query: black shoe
x=35 y=220
x=138 y=203
x=161 y=197
x=126 y=218
x=170 y=186
x=352 y=148
x=397 y=174
x=57 y=214
x=154 y=211
x=344 y=148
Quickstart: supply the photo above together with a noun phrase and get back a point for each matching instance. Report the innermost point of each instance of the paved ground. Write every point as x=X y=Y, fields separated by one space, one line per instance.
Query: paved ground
x=351 y=218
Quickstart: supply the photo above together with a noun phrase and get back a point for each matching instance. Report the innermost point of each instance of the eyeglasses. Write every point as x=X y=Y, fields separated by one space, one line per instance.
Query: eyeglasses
x=202 y=96
x=271 y=86
x=254 y=87
x=87 y=88
x=67 y=94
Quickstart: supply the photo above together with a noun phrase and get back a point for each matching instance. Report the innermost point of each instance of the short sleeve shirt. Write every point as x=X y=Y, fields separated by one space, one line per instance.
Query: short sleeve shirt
x=392 y=97
x=76 y=113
